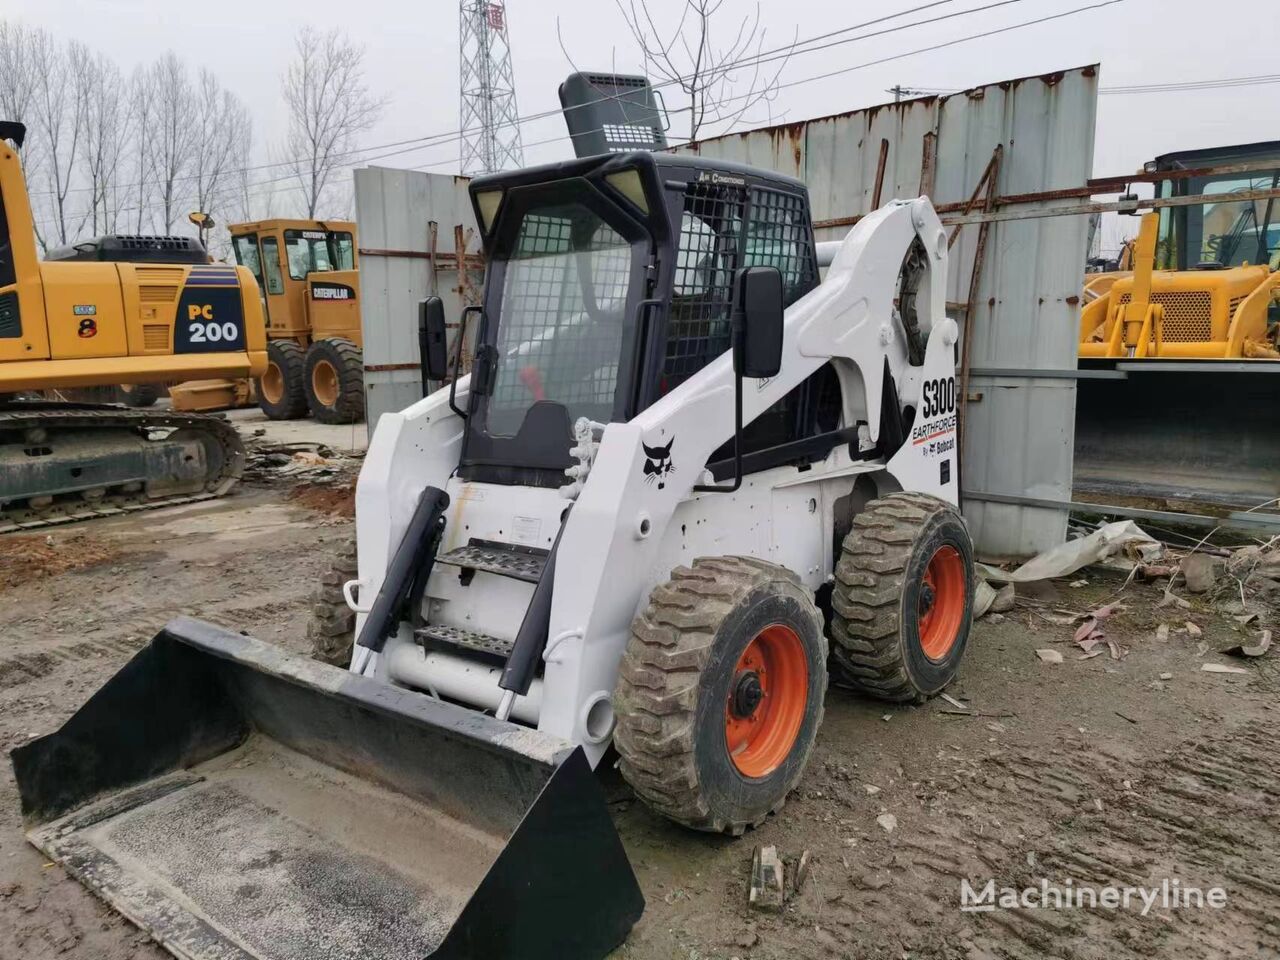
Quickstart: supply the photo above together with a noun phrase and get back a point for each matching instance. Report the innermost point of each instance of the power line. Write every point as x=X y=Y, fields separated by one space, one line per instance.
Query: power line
x=454 y=136
x=795 y=83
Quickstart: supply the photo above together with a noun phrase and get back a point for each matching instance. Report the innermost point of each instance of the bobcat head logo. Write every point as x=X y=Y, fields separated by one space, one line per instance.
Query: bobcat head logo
x=658 y=464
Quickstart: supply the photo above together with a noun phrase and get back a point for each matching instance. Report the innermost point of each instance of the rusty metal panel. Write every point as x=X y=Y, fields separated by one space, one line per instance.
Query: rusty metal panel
x=399 y=247
x=1019 y=432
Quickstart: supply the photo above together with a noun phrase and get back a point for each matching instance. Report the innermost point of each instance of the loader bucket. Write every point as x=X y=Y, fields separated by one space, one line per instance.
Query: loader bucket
x=239 y=802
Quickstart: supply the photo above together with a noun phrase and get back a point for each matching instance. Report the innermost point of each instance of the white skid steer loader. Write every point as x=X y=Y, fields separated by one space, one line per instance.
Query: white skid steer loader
x=675 y=450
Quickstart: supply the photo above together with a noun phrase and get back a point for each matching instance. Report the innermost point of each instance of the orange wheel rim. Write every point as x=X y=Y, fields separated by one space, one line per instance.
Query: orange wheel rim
x=767 y=700
x=941 y=603
x=273 y=382
x=324 y=382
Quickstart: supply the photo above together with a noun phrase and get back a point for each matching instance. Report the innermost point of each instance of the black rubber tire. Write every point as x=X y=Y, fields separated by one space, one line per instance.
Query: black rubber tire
x=875 y=599
x=292 y=404
x=138 y=394
x=347 y=360
x=332 y=626
x=675 y=679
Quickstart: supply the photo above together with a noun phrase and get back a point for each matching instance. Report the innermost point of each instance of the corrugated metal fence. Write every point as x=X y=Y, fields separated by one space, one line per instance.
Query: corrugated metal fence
x=1019 y=428
x=412 y=226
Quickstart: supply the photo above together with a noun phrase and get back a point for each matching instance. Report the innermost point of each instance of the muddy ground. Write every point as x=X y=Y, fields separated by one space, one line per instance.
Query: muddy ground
x=1097 y=771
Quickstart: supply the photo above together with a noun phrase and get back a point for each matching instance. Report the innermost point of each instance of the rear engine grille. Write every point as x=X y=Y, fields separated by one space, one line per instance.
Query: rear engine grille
x=1188 y=314
x=155 y=337
x=168 y=275
x=157 y=294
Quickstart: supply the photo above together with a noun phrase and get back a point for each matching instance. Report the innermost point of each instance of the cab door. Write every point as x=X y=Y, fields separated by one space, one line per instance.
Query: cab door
x=23 y=333
x=248 y=255
x=281 y=321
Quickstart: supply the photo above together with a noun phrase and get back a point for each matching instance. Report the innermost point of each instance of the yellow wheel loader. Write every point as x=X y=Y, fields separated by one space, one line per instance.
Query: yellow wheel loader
x=119 y=310
x=681 y=474
x=1175 y=408
x=309 y=276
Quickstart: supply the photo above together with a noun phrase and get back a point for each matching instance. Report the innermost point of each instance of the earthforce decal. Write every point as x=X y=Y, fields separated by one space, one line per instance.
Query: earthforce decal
x=209 y=320
x=84 y=310
x=332 y=291
x=658 y=465
x=936 y=433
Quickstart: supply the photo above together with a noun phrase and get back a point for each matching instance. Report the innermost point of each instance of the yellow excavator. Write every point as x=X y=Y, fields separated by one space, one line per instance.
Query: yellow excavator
x=118 y=310
x=309 y=278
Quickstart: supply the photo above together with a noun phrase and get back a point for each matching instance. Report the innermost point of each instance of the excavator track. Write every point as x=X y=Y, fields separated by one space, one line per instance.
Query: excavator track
x=61 y=462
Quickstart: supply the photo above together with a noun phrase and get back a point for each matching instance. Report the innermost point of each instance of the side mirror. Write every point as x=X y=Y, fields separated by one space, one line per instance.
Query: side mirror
x=432 y=346
x=757 y=322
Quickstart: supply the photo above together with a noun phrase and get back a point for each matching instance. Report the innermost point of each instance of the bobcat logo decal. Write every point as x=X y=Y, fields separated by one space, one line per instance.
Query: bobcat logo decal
x=658 y=464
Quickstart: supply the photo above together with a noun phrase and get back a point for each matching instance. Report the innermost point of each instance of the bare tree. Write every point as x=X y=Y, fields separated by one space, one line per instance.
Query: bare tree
x=138 y=120
x=58 y=111
x=724 y=81
x=222 y=127
x=106 y=122
x=167 y=137
x=330 y=105
x=17 y=77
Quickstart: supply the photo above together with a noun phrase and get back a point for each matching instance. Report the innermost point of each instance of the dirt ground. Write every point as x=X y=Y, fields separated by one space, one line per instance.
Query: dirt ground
x=1098 y=771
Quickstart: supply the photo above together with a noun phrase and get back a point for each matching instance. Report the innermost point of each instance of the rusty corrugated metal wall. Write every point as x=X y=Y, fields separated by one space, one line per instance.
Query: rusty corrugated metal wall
x=395 y=209
x=1019 y=429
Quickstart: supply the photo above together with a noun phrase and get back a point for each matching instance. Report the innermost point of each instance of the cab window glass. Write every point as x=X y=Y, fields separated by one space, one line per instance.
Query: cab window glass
x=343 y=250
x=271 y=263
x=246 y=251
x=308 y=252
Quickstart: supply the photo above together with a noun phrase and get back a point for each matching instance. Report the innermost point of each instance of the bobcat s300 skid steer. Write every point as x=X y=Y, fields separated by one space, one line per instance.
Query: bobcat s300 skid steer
x=675 y=450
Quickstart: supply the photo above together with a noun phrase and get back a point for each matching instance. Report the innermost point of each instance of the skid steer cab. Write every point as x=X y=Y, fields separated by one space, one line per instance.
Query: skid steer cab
x=683 y=482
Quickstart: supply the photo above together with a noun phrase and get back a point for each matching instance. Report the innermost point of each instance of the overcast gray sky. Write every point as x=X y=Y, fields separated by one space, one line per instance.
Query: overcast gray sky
x=413 y=58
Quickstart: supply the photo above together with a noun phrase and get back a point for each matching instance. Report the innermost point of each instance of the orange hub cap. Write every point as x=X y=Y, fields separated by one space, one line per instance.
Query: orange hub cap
x=324 y=382
x=272 y=383
x=941 y=602
x=767 y=700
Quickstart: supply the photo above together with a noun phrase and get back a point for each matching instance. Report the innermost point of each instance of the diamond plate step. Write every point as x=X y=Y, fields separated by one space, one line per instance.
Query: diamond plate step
x=504 y=559
x=470 y=639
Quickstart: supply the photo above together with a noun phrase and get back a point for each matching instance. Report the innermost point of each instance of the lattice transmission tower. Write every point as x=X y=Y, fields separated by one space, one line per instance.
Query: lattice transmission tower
x=489 y=120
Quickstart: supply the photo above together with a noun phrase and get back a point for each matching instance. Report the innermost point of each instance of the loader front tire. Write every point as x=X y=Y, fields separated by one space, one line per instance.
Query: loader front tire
x=719 y=696
x=332 y=626
x=334 y=381
x=280 y=391
x=902 y=601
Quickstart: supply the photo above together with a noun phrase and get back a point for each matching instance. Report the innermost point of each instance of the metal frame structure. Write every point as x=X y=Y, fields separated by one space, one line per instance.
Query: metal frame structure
x=487 y=115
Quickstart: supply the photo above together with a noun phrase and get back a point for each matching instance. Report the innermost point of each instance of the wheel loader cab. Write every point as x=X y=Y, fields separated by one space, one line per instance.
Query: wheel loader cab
x=308 y=273
x=610 y=283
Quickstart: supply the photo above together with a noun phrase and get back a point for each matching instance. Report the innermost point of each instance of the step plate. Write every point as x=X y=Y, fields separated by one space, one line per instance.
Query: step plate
x=470 y=639
x=518 y=563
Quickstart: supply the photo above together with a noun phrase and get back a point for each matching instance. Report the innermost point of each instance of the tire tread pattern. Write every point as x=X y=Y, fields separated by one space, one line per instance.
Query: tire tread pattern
x=866 y=599
x=656 y=697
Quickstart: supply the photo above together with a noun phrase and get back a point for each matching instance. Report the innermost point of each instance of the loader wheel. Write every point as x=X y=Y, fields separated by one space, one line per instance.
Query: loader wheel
x=280 y=392
x=332 y=626
x=335 y=381
x=138 y=394
x=902 y=601
x=719 y=696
